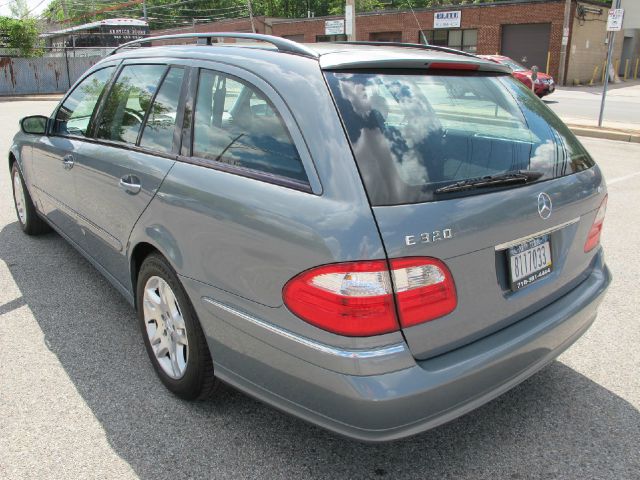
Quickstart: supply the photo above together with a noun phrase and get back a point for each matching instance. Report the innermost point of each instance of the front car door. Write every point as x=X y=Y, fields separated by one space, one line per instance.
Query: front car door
x=133 y=148
x=55 y=154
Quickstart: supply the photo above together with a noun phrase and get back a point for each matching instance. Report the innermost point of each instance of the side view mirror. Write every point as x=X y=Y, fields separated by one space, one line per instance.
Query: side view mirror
x=534 y=73
x=34 y=125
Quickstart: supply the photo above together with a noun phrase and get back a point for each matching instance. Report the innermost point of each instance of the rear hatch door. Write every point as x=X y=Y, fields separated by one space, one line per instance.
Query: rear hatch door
x=471 y=168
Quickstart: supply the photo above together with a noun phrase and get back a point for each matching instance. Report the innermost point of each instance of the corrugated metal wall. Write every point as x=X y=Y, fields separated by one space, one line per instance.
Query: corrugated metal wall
x=29 y=76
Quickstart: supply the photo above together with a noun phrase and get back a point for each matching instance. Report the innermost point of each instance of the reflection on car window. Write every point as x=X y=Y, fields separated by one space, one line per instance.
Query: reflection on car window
x=158 y=131
x=128 y=101
x=75 y=113
x=414 y=133
x=236 y=124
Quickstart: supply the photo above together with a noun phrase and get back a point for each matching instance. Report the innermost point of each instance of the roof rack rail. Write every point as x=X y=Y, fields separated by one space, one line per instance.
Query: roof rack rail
x=282 y=44
x=411 y=45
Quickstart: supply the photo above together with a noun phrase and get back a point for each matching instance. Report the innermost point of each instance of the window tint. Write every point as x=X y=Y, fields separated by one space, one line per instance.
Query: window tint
x=128 y=101
x=412 y=134
x=75 y=113
x=158 y=131
x=236 y=124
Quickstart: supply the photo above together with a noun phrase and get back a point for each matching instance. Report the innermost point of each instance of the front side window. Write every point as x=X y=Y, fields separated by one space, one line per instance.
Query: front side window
x=128 y=101
x=161 y=122
x=75 y=113
x=236 y=124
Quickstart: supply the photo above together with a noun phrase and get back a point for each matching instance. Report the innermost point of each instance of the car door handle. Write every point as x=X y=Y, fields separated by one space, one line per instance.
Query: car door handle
x=130 y=184
x=68 y=162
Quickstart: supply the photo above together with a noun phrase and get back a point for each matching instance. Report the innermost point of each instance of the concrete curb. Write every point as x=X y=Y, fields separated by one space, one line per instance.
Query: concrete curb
x=606 y=133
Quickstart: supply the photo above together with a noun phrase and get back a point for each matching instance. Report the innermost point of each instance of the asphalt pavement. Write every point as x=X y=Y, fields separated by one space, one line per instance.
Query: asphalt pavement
x=79 y=398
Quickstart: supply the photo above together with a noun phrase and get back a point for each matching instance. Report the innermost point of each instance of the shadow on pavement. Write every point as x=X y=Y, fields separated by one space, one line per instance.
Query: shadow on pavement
x=557 y=424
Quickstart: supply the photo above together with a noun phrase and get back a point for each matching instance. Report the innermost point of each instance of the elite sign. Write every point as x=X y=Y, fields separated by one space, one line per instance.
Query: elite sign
x=447 y=19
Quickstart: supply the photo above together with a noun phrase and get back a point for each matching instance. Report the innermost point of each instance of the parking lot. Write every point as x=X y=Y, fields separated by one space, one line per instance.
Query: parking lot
x=79 y=398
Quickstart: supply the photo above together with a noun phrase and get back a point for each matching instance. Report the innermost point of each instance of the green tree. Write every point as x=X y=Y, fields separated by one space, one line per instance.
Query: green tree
x=21 y=35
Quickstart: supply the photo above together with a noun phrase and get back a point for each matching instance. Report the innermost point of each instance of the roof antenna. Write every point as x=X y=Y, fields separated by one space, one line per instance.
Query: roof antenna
x=424 y=40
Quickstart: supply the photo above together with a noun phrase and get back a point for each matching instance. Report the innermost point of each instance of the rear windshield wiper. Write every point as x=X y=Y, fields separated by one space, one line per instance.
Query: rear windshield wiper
x=498 y=180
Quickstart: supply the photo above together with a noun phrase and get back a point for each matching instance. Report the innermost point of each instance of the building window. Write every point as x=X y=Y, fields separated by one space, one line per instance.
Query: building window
x=331 y=38
x=298 y=37
x=466 y=40
x=385 y=36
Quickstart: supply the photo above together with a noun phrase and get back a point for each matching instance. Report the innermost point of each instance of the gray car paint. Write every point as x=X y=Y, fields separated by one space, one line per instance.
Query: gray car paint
x=235 y=241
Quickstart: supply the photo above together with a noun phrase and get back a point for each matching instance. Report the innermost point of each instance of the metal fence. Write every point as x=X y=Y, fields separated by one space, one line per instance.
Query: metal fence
x=43 y=75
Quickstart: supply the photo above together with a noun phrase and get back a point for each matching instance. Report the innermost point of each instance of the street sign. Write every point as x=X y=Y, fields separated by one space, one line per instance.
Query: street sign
x=447 y=19
x=334 y=27
x=614 y=23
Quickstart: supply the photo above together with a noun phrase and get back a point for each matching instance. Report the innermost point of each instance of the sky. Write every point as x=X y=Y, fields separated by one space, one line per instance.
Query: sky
x=37 y=5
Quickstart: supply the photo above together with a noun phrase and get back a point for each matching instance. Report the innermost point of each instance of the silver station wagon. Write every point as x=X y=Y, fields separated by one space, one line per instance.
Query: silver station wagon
x=374 y=238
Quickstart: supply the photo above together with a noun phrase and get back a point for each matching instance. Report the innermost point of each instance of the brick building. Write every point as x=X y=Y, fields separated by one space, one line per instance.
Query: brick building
x=530 y=31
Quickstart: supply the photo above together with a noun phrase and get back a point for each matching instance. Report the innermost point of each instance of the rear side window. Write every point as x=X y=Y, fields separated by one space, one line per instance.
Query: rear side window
x=75 y=113
x=161 y=122
x=414 y=133
x=128 y=101
x=236 y=124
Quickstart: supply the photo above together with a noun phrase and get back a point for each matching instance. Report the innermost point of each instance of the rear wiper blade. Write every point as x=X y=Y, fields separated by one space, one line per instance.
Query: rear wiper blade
x=500 y=179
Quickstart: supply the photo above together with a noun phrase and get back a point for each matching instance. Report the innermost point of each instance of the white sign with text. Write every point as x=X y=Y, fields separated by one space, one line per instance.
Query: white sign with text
x=334 y=27
x=447 y=19
x=614 y=23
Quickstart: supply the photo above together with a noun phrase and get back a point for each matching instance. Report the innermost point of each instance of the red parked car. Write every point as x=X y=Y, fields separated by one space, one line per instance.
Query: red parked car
x=544 y=84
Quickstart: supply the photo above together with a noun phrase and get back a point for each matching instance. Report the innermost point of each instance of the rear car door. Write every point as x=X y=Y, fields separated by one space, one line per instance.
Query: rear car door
x=54 y=155
x=132 y=151
x=428 y=145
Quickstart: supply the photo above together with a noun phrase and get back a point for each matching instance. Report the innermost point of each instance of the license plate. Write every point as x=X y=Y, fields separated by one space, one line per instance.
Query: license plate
x=530 y=261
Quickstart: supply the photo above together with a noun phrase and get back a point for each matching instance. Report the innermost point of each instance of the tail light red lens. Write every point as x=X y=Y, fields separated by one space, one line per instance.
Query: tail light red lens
x=424 y=289
x=593 y=238
x=357 y=298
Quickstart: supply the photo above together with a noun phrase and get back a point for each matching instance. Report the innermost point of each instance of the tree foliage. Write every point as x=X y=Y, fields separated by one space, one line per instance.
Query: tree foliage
x=20 y=35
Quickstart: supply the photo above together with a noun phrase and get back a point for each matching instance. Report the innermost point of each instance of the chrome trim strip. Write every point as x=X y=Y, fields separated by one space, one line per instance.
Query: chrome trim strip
x=518 y=241
x=321 y=347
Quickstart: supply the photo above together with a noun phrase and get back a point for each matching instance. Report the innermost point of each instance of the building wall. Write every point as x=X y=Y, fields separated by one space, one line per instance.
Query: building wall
x=588 y=48
x=487 y=19
x=586 y=45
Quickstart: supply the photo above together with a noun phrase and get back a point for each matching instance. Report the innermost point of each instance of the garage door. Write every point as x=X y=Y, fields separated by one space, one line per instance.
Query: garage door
x=527 y=44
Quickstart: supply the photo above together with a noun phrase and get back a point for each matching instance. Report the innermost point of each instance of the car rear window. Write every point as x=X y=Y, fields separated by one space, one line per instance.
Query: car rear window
x=413 y=133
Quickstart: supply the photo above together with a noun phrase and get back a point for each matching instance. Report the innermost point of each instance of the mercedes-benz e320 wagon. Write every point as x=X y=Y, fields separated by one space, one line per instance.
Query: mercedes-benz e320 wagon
x=376 y=239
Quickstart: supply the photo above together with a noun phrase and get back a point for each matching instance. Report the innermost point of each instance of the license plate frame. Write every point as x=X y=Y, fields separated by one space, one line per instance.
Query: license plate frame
x=529 y=261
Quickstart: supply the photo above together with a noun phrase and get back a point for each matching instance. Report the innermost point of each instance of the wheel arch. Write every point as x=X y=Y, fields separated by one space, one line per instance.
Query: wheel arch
x=138 y=254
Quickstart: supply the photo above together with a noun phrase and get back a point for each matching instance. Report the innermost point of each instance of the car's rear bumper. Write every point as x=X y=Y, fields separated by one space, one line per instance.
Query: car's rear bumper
x=388 y=406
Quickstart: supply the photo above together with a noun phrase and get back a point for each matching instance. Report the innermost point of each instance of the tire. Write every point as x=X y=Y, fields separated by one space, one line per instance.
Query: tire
x=185 y=368
x=28 y=218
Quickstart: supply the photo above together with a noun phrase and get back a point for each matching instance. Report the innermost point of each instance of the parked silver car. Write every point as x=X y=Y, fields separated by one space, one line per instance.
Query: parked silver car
x=376 y=239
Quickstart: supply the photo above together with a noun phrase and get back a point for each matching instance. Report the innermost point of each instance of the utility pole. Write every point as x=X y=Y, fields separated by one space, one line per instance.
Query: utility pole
x=144 y=10
x=612 y=36
x=350 y=20
x=565 y=42
x=253 y=26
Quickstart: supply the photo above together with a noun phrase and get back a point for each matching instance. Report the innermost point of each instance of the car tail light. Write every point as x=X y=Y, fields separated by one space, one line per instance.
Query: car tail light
x=593 y=238
x=357 y=298
x=424 y=289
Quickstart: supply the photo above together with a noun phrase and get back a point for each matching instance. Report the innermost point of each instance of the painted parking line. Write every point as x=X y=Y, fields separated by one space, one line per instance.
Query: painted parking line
x=622 y=179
